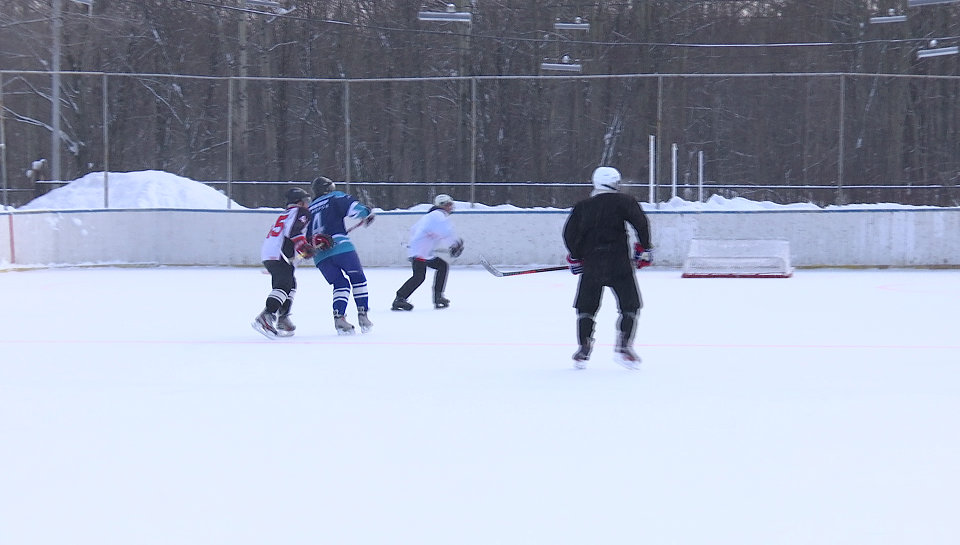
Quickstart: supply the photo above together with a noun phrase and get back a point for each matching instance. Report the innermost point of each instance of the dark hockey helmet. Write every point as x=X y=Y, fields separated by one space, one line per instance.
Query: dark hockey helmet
x=322 y=186
x=295 y=195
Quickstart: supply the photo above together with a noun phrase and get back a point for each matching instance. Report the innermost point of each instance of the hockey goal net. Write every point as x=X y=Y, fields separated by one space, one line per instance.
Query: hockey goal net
x=738 y=258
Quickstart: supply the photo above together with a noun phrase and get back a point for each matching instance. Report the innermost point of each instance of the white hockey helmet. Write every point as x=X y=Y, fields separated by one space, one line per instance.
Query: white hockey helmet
x=443 y=200
x=606 y=179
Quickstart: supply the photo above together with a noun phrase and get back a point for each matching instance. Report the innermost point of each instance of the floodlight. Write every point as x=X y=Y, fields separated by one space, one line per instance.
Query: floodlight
x=577 y=24
x=565 y=65
x=262 y=3
x=914 y=3
x=889 y=19
x=937 y=52
x=446 y=16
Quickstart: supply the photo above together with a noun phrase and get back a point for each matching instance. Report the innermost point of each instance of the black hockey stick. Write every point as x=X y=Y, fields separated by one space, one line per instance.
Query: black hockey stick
x=496 y=272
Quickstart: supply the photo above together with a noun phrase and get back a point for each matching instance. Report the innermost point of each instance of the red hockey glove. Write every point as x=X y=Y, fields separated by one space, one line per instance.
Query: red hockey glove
x=304 y=249
x=642 y=256
x=322 y=241
x=576 y=266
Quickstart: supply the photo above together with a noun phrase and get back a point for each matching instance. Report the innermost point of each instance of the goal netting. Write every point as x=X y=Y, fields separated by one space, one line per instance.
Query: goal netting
x=738 y=258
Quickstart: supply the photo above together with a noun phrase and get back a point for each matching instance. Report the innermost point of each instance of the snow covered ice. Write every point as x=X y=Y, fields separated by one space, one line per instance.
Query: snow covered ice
x=139 y=406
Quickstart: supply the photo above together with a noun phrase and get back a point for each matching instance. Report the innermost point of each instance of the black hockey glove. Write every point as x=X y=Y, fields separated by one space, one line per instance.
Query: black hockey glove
x=457 y=248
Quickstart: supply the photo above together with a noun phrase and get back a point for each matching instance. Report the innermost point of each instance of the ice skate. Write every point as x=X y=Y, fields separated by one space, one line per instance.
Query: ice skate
x=400 y=303
x=626 y=357
x=264 y=323
x=285 y=327
x=365 y=324
x=440 y=301
x=343 y=326
x=581 y=356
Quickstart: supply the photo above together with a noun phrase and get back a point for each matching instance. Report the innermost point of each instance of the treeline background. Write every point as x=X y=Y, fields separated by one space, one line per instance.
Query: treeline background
x=785 y=100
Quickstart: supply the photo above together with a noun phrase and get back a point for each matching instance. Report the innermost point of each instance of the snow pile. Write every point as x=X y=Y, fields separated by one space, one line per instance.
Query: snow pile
x=157 y=189
x=146 y=189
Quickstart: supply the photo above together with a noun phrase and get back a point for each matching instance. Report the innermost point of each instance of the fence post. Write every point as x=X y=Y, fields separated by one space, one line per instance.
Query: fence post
x=229 y=141
x=3 y=148
x=346 y=134
x=673 y=170
x=652 y=160
x=473 y=140
x=700 y=174
x=106 y=147
x=843 y=87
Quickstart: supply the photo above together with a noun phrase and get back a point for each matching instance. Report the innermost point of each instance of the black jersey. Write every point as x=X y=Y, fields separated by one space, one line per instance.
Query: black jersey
x=596 y=227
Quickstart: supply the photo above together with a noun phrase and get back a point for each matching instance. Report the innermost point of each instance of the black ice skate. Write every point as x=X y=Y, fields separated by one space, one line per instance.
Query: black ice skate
x=264 y=323
x=365 y=324
x=439 y=301
x=581 y=356
x=343 y=326
x=400 y=303
x=285 y=327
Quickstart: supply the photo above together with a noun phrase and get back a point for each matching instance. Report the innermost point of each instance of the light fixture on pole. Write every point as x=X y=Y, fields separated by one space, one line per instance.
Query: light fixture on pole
x=577 y=24
x=915 y=3
x=937 y=51
x=566 y=64
x=451 y=15
x=890 y=17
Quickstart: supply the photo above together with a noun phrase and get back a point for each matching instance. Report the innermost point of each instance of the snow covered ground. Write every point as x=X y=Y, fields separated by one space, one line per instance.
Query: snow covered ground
x=139 y=406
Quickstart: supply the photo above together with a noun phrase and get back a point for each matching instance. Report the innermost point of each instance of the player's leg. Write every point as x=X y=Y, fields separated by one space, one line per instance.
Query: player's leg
x=341 y=293
x=406 y=290
x=587 y=303
x=350 y=262
x=285 y=327
x=439 y=281
x=281 y=275
x=629 y=303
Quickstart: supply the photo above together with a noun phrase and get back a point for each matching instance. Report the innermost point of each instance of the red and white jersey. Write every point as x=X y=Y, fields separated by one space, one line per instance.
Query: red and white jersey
x=285 y=233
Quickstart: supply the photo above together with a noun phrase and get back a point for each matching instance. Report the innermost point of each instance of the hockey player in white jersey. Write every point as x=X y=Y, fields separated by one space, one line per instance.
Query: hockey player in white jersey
x=285 y=241
x=430 y=232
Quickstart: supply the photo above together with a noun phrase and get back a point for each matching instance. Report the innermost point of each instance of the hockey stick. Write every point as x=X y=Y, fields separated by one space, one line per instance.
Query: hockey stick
x=498 y=273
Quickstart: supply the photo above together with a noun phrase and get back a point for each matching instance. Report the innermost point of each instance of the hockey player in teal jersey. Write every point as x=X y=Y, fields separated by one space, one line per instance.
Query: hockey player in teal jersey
x=339 y=262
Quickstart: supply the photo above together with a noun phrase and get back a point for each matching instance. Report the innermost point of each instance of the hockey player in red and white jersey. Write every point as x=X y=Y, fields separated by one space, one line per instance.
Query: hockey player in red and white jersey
x=284 y=243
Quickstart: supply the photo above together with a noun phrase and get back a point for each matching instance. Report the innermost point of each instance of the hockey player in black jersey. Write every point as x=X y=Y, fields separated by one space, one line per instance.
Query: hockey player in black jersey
x=284 y=242
x=595 y=234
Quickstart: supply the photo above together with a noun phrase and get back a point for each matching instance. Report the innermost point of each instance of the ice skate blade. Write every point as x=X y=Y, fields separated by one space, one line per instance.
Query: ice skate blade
x=346 y=331
x=266 y=333
x=284 y=333
x=628 y=363
x=579 y=364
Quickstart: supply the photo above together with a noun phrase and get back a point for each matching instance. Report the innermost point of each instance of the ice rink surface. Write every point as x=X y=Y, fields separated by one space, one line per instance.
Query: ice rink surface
x=138 y=406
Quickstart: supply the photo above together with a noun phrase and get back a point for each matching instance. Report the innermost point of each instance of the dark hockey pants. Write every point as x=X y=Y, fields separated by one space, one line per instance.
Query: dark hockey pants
x=420 y=274
x=590 y=293
x=284 y=285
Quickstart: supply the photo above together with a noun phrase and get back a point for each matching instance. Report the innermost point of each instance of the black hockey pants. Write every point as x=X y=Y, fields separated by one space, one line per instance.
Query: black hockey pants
x=420 y=274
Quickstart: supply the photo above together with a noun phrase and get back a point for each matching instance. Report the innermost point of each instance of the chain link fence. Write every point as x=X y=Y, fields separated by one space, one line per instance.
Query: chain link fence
x=530 y=141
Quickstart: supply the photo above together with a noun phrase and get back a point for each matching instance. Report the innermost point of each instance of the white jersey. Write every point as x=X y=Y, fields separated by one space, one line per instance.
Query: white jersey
x=431 y=231
x=280 y=241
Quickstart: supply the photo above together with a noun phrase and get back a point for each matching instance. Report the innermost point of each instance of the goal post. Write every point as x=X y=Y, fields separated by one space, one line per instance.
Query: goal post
x=738 y=258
